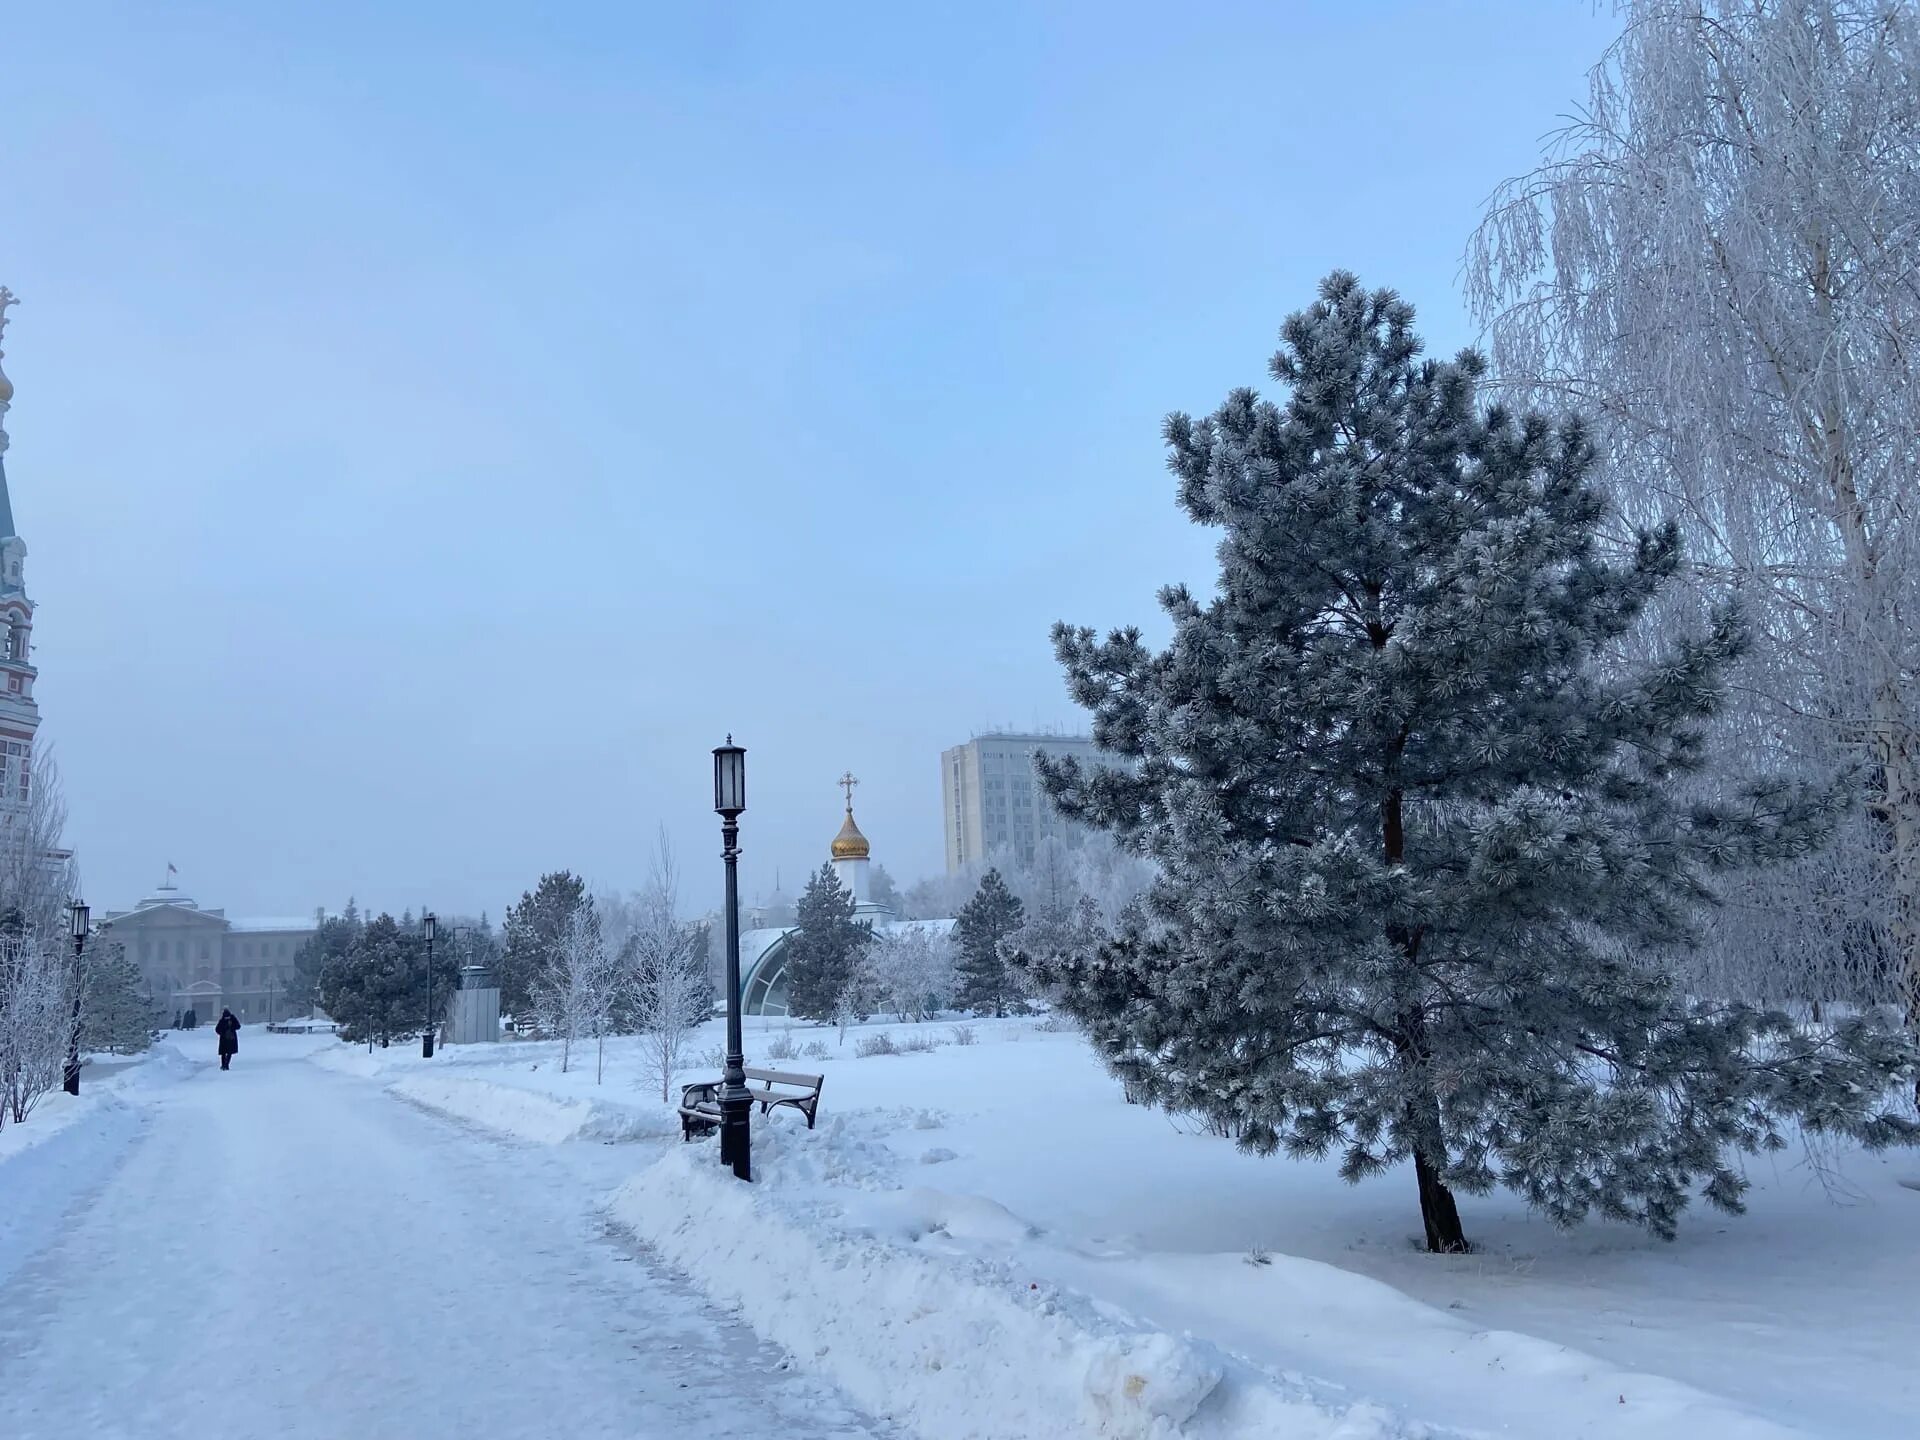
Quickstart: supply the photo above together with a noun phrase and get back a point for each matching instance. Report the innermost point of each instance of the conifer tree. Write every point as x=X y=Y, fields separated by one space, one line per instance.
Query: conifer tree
x=1425 y=862
x=990 y=917
x=535 y=931
x=825 y=950
x=377 y=986
x=332 y=938
x=117 y=1006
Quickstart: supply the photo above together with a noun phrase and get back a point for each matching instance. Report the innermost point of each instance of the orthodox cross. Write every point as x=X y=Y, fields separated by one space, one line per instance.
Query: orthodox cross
x=847 y=782
x=7 y=301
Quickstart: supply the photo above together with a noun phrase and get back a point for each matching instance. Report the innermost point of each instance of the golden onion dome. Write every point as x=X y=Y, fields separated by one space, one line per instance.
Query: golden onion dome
x=850 y=844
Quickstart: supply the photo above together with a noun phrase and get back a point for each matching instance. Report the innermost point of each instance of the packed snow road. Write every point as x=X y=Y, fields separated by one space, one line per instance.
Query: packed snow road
x=282 y=1251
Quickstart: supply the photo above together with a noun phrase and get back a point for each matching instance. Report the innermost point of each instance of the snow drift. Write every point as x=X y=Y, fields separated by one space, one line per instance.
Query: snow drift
x=529 y=1115
x=953 y=1348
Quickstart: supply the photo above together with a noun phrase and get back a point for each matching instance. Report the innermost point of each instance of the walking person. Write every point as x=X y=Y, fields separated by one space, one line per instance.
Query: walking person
x=229 y=1032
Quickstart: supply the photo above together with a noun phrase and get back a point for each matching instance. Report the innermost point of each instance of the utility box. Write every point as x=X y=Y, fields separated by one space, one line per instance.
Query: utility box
x=476 y=1008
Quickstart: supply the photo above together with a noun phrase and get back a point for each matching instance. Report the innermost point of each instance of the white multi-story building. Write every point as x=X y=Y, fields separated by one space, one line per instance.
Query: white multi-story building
x=204 y=960
x=991 y=800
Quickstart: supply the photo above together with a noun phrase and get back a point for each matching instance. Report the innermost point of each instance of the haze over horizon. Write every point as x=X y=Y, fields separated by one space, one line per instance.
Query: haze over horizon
x=435 y=431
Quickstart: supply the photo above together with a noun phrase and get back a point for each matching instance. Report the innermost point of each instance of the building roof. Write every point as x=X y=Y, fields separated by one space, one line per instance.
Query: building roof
x=850 y=844
x=759 y=946
x=167 y=894
x=271 y=922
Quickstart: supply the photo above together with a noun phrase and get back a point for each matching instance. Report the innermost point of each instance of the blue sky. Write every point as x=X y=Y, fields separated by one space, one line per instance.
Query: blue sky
x=438 y=424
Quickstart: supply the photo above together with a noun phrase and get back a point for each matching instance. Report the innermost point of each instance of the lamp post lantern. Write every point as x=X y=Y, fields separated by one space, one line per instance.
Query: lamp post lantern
x=78 y=913
x=736 y=1106
x=426 y=1036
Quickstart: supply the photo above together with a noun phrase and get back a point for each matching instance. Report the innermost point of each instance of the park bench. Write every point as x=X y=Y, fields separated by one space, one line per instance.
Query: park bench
x=700 y=1102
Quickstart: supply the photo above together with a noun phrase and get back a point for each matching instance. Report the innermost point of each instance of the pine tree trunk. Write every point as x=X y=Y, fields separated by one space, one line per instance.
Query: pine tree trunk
x=1437 y=1210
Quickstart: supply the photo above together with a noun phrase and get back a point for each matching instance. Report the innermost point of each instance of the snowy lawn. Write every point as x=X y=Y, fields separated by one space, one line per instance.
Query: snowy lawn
x=1013 y=1164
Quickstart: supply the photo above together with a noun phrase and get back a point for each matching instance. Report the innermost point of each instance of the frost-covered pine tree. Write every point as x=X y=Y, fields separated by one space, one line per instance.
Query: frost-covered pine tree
x=1051 y=940
x=332 y=939
x=534 y=931
x=983 y=924
x=1424 y=862
x=825 y=950
x=117 y=1006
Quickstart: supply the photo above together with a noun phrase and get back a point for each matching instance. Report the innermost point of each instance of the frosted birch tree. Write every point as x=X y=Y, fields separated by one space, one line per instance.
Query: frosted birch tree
x=1719 y=263
x=37 y=876
x=35 y=1017
x=37 y=974
x=664 y=971
x=911 y=970
x=575 y=999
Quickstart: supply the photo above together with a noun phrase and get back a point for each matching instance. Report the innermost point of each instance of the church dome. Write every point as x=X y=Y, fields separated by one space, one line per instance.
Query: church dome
x=6 y=388
x=850 y=844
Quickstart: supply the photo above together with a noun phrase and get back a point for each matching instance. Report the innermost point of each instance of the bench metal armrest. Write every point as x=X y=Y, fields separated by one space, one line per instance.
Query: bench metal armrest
x=698 y=1091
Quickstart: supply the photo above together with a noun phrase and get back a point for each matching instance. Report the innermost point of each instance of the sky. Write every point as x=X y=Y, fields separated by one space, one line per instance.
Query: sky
x=438 y=425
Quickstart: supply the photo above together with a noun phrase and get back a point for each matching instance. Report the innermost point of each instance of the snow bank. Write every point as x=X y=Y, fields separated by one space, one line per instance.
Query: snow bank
x=527 y=1114
x=102 y=1079
x=954 y=1348
x=48 y=1118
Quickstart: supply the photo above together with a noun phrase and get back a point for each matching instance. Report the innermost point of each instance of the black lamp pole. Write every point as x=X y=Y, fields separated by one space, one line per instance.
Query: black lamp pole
x=79 y=915
x=736 y=1106
x=426 y=1036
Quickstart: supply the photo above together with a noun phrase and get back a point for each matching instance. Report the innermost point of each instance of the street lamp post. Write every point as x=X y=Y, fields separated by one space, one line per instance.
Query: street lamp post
x=736 y=1106
x=426 y=1036
x=79 y=915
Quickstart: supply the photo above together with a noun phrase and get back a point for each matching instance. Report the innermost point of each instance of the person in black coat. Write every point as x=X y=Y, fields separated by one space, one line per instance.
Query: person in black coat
x=229 y=1032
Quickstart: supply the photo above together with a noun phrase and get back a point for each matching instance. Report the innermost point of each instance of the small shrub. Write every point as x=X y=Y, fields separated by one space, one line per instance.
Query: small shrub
x=963 y=1035
x=880 y=1043
x=1053 y=1022
x=815 y=1050
x=1259 y=1255
x=713 y=1058
x=781 y=1047
x=918 y=1045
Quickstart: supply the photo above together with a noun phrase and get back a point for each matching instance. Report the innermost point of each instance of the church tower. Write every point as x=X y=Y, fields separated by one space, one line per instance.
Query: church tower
x=850 y=852
x=19 y=713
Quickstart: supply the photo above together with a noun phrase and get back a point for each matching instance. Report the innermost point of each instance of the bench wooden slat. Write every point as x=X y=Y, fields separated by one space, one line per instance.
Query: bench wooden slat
x=700 y=1102
x=783 y=1077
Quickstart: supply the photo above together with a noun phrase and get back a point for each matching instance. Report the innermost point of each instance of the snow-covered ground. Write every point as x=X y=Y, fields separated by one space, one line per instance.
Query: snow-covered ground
x=284 y=1251
x=979 y=1232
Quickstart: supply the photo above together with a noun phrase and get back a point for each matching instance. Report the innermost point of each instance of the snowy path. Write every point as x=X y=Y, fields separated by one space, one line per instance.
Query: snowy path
x=284 y=1251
